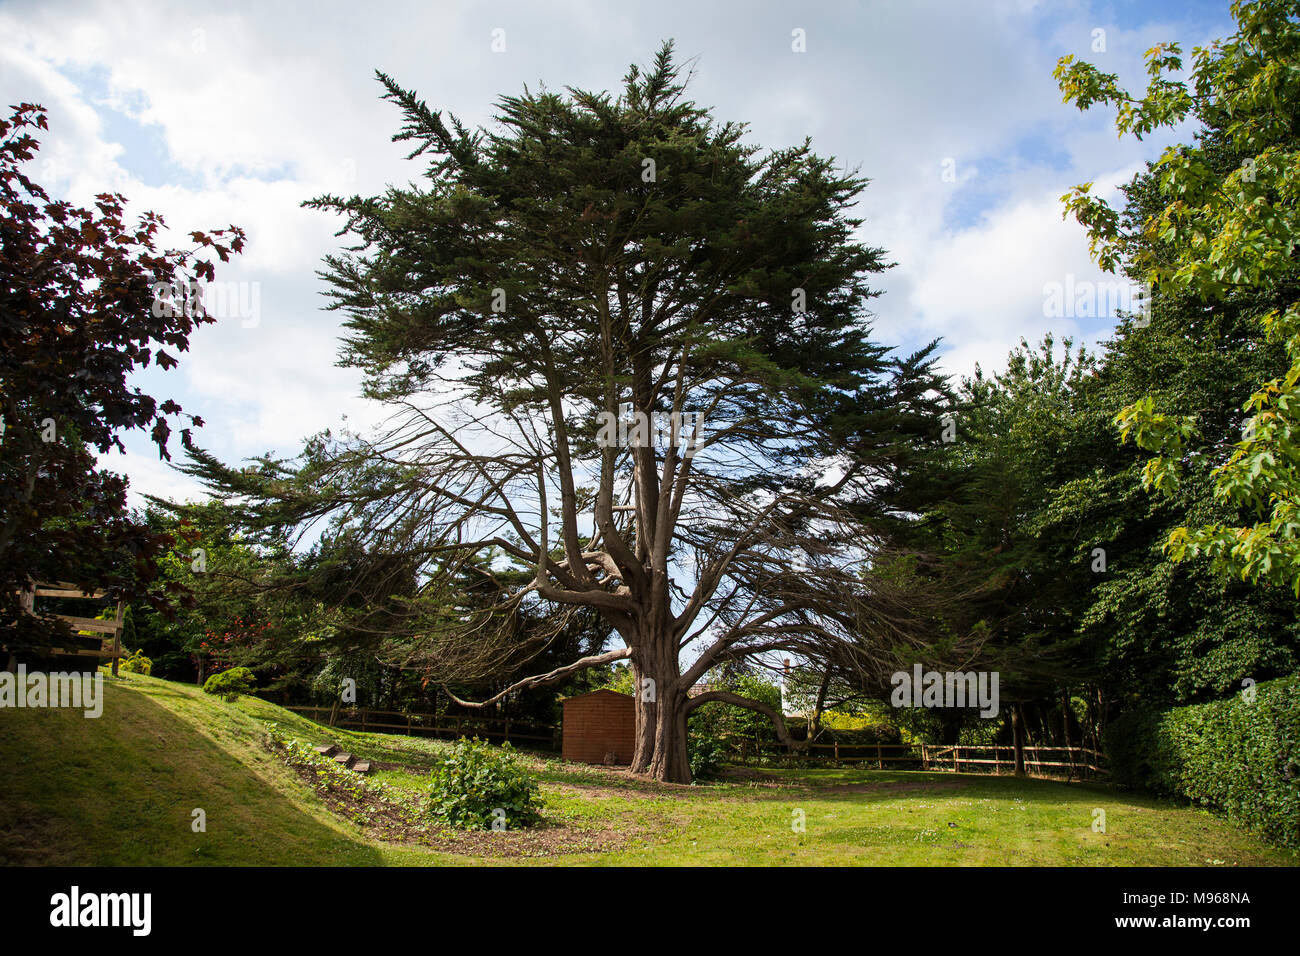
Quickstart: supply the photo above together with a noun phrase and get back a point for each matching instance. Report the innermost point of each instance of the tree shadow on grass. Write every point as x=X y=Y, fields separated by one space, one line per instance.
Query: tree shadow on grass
x=122 y=790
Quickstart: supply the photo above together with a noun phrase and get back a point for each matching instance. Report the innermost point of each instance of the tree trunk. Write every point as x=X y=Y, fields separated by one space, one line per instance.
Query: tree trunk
x=671 y=761
x=815 y=719
x=644 y=750
x=1018 y=738
x=1065 y=731
x=660 y=711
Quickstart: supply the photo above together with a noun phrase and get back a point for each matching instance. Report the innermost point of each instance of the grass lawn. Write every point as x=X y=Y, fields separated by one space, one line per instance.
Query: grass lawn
x=119 y=790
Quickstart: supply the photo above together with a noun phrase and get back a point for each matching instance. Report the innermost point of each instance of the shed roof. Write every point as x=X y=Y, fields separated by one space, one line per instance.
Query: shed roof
x=602 y=690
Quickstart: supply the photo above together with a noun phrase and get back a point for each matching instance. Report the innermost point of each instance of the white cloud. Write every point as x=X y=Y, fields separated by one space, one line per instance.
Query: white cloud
x=983 y=288
x=237 y=115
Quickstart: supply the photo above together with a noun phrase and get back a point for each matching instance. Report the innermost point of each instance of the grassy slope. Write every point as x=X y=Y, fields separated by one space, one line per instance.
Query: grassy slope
x=120 y=790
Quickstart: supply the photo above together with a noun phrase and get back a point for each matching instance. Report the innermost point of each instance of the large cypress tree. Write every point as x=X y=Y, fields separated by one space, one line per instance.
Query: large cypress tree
x=597 y=260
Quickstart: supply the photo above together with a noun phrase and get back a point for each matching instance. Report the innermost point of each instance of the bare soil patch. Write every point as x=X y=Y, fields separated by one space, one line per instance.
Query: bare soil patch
x=392 y=815
x=549 y=839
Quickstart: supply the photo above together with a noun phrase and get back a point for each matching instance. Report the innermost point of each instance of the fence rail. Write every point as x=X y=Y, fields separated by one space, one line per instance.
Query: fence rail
x=1041 y=761
x=431 y=725
x=110 y=644
x=1075 y=762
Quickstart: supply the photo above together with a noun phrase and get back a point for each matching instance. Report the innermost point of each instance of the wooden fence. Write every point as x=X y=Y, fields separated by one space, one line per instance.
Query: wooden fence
x=1042 y=761
x=1071 y=762
x=543 y=736
x=110 y=643
x=894 y=756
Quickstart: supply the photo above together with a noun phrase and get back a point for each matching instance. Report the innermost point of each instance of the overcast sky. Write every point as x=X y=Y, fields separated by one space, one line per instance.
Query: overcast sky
x=211 y=117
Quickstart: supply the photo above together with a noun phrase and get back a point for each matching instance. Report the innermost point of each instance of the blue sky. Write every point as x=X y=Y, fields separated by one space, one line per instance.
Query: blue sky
x=213 y=116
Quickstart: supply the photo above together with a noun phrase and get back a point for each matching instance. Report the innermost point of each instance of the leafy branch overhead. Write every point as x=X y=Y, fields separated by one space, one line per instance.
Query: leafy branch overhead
x=86 y=300
x=1226 y=230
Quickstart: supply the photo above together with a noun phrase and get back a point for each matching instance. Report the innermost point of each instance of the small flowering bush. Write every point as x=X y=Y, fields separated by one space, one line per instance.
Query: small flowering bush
x=214 y=652
x=478 y=784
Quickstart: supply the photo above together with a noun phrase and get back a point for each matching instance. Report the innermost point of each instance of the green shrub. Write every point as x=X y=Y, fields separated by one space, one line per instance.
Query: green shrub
x=230 y=684
x=733 y=728
x=705 y=751
x=1237 y=757
x=137 y=663
x=477 y=784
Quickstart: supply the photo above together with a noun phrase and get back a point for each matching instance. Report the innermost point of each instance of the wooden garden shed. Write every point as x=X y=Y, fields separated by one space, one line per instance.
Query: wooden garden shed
x=600 y=727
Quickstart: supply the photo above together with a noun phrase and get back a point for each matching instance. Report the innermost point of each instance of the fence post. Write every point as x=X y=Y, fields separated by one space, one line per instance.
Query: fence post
x=117 y=634
x=880 y=760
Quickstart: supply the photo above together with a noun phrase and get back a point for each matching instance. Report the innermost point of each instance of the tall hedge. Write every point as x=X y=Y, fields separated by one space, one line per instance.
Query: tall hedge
x=1236 y=756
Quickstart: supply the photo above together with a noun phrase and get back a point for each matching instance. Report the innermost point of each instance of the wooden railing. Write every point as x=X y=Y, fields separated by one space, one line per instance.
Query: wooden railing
x=1069 y=761
x=110 y=645
x=1072 y=762
x=881 y=755
x=1075 y=762
x=433 y=725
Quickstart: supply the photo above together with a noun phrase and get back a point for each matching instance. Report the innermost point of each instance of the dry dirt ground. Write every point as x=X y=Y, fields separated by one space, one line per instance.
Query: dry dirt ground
x=385 y=815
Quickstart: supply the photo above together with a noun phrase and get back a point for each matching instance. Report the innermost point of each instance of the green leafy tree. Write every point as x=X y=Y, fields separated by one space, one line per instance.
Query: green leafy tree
x=231 y=684
x=86 y=299
x=1221 y=233
x=228 y=616
x=995 y=520
x=1169 y=631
